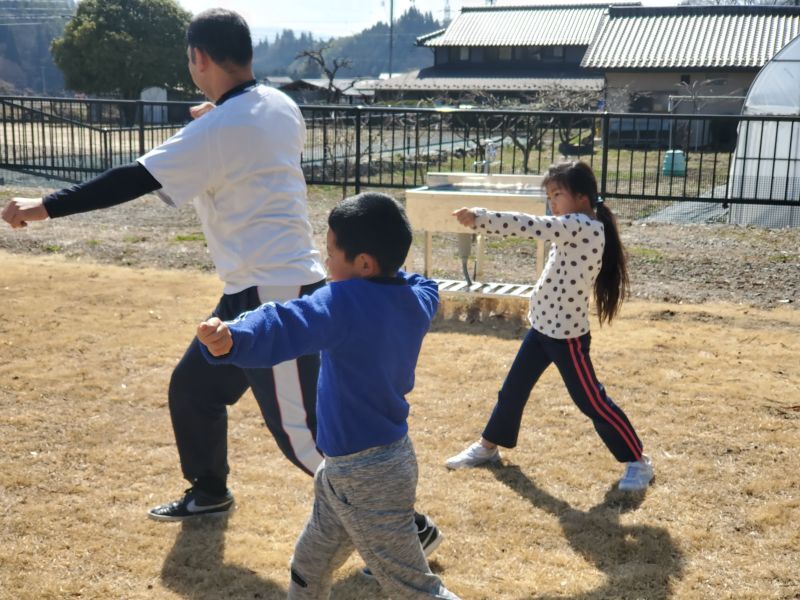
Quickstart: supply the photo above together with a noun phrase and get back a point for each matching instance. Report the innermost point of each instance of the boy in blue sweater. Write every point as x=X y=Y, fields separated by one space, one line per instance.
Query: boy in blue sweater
x=368 y=324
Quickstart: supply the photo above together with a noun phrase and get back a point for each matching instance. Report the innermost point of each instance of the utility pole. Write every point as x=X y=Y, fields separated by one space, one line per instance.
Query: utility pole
x=391 y=35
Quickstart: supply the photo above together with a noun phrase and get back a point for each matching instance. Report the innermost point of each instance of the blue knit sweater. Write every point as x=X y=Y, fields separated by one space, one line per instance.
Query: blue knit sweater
x=369 y=333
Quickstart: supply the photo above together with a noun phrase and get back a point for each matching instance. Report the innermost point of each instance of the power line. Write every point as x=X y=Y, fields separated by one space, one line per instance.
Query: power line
x=27 y=23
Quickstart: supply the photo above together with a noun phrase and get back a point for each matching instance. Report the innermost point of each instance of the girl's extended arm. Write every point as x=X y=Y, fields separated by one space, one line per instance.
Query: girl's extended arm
x=513 y=224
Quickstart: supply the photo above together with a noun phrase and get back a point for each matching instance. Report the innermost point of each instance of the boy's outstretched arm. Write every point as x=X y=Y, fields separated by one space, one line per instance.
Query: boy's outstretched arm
x=273 y=333
x=215 y=335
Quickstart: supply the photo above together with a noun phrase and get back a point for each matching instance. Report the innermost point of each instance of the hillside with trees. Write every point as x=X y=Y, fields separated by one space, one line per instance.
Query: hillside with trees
x=368 y=51
x=27 y=28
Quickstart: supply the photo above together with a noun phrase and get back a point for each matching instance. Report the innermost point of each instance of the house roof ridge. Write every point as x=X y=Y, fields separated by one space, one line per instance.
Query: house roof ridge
x=555 y=6
x=421 y=39
x=692 y=10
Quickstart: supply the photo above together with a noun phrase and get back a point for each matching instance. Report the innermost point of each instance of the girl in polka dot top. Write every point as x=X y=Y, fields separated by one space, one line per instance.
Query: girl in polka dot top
x=586 y=259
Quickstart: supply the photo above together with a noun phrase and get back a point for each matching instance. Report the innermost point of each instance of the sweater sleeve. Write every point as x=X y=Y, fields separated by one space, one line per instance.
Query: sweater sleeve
x=274 y=333
x=514 y=224
x=113 y=187
x=426 y=290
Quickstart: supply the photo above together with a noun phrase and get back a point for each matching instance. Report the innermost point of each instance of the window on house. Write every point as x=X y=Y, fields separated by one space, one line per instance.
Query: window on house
x=491 y=54
x=686 y=79
x=463 y=54
x=505 y=53
x=552 y=53
x=641 y=103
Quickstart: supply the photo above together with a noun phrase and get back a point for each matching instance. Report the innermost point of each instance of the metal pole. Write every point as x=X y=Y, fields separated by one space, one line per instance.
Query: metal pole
x=357 y=182
x=391 y=35
x=140 y=115
x=604 y=165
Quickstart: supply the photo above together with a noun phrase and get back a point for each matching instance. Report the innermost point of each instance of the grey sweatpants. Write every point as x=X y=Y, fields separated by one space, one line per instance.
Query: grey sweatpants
x=365 y=501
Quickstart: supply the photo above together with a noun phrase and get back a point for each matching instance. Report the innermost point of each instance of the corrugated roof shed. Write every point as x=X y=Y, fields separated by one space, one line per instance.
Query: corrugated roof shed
x=535 y=25
x=433 y=80
x=691 y=37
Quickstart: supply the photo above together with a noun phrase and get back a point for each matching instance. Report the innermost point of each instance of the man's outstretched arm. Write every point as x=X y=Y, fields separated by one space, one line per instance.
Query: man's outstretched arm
x=113 y=187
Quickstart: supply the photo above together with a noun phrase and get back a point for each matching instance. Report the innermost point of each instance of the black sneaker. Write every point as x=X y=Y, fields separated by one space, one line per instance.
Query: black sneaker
x=194 y=503
x=429 y=538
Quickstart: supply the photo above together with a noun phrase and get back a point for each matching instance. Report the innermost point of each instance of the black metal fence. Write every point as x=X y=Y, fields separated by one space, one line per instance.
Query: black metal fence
x=719 y=166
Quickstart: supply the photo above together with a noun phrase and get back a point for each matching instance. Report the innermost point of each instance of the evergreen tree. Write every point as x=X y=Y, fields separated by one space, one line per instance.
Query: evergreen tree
x=123 y=46
x=367 y=52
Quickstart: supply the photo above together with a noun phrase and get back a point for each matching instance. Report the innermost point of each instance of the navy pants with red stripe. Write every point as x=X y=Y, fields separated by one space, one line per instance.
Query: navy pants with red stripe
x=571 y=357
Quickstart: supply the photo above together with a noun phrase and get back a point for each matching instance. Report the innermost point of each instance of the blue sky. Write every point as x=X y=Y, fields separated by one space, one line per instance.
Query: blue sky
x=337 y=17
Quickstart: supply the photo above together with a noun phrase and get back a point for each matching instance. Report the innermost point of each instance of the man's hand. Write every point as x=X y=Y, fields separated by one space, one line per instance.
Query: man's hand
x=201 y=109
x=465 y=216
x=216 y=336
x=19 y=211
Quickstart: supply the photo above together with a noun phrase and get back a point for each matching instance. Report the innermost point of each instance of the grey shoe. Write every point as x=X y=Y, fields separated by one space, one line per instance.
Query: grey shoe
x=473 y=456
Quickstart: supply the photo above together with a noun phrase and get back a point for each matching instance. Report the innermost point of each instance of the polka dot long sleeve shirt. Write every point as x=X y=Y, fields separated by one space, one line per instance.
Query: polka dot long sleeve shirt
x=560 y=300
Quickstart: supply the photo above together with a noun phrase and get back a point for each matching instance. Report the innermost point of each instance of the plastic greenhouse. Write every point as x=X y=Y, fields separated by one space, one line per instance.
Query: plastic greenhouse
x=766 y=162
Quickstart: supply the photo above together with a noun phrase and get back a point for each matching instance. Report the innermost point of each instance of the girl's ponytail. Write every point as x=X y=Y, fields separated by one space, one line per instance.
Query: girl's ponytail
x=611 y=286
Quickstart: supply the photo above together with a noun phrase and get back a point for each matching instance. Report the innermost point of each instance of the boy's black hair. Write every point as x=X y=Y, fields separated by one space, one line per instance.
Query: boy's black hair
x=374 y=224
x=223 y=35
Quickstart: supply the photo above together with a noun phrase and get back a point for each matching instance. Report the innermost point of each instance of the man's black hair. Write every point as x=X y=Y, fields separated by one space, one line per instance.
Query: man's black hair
x=223 y=35
x=375 y=224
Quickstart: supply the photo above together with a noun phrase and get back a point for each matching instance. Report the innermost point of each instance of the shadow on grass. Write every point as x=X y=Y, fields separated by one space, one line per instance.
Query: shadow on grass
x=639 y=561
x=357 y=587
x=195 y=567
x=503 y=317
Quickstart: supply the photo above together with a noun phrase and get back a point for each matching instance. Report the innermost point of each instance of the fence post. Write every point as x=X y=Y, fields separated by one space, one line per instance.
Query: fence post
x=104 y=133
x=140 y=112
x=604 y=166
x=357 y=183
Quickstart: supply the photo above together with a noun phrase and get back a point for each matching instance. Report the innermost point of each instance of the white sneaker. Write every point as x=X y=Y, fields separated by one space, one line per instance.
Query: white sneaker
x=638 y=475
x=472 y=457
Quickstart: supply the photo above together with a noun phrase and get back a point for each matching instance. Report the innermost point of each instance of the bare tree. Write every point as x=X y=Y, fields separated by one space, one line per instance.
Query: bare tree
x=329 y=68
x=538 y=114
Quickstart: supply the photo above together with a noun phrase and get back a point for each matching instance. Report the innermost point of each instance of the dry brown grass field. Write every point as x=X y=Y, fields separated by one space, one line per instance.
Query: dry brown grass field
x=85 y=355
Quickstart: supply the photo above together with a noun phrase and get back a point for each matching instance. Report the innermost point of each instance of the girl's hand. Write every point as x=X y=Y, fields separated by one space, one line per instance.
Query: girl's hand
x=216 y=336
x=465 y=216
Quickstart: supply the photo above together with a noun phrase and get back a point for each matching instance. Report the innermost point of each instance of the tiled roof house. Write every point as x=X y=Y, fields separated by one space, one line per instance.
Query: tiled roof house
x=639 y=55
x=507 y=50
x=714 y=50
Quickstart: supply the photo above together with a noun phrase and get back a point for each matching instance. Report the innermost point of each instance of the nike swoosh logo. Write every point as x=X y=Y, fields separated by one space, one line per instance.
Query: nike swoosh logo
x=194 y=508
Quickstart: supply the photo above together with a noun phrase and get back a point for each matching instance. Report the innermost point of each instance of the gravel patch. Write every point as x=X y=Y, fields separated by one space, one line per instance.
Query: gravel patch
x=680 y=263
